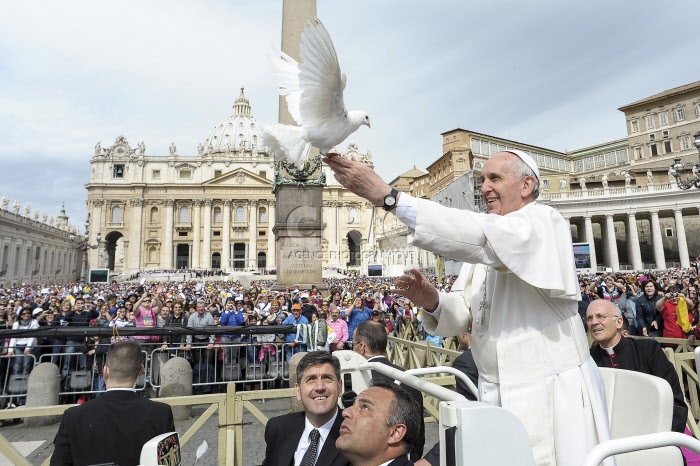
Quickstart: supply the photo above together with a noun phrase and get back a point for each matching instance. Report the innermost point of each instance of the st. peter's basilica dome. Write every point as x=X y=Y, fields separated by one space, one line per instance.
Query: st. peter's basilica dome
x=239 y=132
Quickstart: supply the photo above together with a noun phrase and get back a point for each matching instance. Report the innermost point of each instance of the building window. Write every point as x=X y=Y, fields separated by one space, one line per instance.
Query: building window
x=353 y=215
x=697 y=109
x=262 y=215
x=184 y=214
x=649 y=119
x=185 y=174
x=217 y=173
x=638 y=153
x=654 y=150
x=685 y=142
x=216 y=233
x=217 y=214
x=634 y=126
x=545 y=184
x=652 y=137
x=116 y=214
x=261 y=233
x=156 y=174
x=664 y=134
x=669 y=232
x=181 y=233
x=118 y=171
x=663 y=118
x=667 y=147
x=240 y=214
x=680 y=113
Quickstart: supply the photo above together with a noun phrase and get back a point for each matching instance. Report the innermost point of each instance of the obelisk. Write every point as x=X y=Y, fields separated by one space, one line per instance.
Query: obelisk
x=298 y=221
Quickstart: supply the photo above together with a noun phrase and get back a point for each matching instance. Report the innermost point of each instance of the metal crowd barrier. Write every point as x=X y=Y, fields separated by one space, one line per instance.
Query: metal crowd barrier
x=242 y=363
x=14 y=382
x=245 y=363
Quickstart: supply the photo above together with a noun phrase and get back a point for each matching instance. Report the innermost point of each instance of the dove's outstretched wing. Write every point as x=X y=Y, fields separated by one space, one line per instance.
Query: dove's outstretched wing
x=313 y=88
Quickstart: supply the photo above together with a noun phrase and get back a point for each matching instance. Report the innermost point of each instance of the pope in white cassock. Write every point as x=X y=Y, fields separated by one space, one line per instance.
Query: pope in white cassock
x=521 y=295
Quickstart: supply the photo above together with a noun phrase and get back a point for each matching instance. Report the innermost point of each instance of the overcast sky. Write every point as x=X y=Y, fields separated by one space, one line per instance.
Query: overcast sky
x=547 y=73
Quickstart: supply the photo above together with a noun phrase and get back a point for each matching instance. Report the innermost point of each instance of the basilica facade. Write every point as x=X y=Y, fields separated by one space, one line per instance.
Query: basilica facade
x=212 y=210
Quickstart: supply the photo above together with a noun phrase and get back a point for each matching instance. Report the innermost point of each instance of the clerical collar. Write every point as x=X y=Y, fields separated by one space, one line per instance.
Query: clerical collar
x=611 y=350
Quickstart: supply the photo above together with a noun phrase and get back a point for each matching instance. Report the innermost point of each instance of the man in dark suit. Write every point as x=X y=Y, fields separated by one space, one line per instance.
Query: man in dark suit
x=381 y=426
x=308 y=438
x=465 y=363
x=370 y=341
x=112 y=429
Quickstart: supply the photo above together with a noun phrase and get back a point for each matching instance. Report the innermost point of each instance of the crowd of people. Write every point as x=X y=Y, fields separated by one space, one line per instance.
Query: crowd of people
x=655 y=304
x=325 y=318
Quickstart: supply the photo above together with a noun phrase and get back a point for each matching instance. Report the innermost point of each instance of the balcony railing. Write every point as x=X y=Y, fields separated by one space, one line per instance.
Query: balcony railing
x=608 y=192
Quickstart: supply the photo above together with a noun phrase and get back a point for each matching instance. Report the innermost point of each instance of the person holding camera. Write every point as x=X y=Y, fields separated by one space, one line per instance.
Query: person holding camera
x=674 y=307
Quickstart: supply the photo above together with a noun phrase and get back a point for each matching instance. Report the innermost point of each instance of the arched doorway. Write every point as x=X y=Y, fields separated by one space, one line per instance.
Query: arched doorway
x=114 y=249
x=262 y=260
x=354 y=238
x=216 y=260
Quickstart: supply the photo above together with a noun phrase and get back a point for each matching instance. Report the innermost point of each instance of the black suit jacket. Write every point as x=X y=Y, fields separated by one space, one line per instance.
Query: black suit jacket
x=417 y=451
x=465 y=363
x=282 y=435
x=110 y=429
x=403 y=461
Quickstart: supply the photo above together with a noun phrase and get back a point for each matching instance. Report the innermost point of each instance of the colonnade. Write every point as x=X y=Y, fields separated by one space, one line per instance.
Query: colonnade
x=631 y=219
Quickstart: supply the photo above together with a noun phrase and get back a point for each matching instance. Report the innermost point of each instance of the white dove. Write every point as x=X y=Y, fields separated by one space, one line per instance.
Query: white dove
x=314 y=93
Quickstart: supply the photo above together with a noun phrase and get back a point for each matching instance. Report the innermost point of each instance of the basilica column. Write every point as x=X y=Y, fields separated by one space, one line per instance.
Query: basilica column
x=253 y=241
x=136 y=232
x=659 y=257
x=206 y=245
x=168 y=232
x=95 y=228
x=332 y=230
x=682 y=243
x=271 y=261
x=197 y=234
x=611 y=242
x=588 y=226
x=633 y=250
x=367 y=224
x=226 y=240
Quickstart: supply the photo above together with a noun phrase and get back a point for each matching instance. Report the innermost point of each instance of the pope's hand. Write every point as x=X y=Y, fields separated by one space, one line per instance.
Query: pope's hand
x=358 y=178
x=418 y=289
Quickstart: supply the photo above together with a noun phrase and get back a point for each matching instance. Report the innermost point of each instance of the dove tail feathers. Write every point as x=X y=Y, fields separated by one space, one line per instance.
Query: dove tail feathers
x=286 y=141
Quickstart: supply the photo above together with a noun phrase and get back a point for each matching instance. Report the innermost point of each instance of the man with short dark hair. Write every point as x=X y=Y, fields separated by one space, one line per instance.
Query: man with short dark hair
x=114 y=427
x=308 y=438
x=370 y=341
x=78 y=317
x=381 y=427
